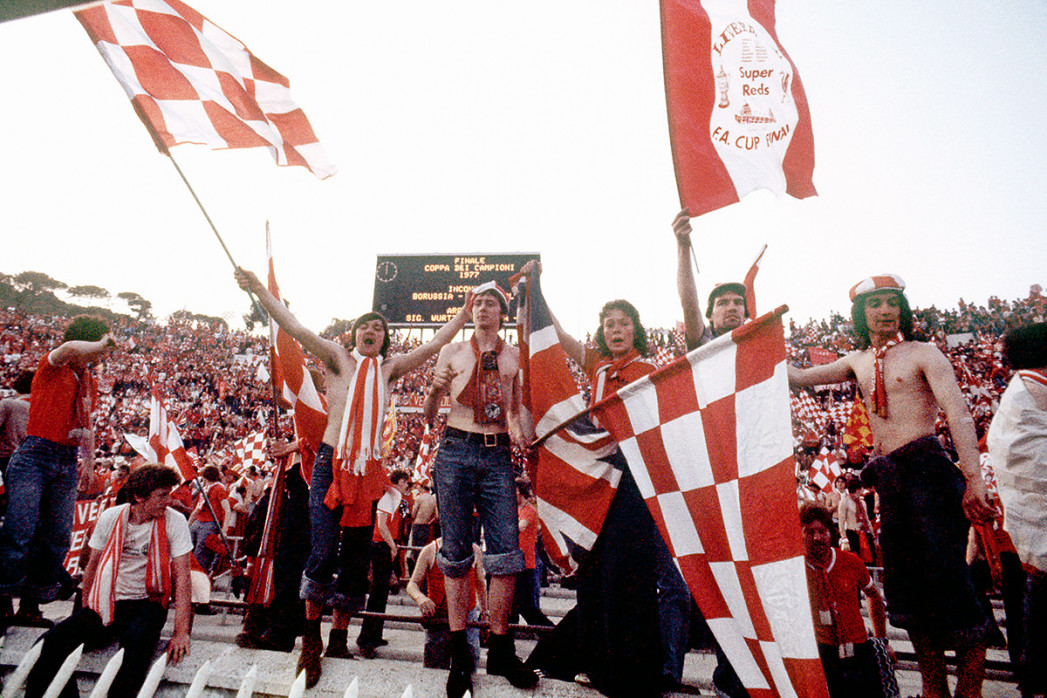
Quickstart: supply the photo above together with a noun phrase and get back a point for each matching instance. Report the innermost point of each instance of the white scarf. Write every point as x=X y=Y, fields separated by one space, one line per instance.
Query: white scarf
x=360 y=437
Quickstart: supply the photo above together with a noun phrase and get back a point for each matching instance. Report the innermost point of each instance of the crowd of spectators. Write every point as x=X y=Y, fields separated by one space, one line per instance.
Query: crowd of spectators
x=213 y=380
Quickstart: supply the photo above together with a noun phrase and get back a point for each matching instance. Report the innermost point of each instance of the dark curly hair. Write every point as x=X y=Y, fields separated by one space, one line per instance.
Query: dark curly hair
x=1026 y=347
x=815 y=512
x=367 y=317
x=146 y=479
x=861 y=328
x=639 y=335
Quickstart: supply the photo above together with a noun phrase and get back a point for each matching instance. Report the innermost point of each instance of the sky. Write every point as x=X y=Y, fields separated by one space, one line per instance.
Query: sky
x=488 y=126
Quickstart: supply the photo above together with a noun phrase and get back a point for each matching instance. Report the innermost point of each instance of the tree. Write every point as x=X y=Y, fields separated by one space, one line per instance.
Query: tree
x=96 y=292
x=336 y=327
x=138 y=305
x=37 y=282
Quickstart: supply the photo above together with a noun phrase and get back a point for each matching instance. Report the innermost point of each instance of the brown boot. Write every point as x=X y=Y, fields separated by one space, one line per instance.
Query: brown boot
x=312 y=648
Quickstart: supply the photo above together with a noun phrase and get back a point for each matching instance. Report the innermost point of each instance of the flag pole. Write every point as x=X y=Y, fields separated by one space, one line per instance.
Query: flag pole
x=158 y=141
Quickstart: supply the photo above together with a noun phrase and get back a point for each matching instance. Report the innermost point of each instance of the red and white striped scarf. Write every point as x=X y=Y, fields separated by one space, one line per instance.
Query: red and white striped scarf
x=101 y=597
x=609 y=370
x=879 y=396
x=1034 y=375
x=360 y=438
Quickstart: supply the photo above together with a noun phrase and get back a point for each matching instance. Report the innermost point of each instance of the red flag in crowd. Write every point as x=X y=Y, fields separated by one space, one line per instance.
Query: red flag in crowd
x=191 y=82
x=165 y=441
x=738 y=116
x=423 y=465
x=709 y=441
x=579 y=466
x=293 y=382
x=262 y=588
x=824 y=470
x=251 y=450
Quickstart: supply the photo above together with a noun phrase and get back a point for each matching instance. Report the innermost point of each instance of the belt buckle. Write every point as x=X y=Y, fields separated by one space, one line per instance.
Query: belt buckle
x=490 y=440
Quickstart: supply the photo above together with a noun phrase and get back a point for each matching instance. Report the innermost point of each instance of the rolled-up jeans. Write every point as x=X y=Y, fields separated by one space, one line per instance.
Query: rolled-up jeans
x=351 y=563
x=467 y=475
x=41 y=490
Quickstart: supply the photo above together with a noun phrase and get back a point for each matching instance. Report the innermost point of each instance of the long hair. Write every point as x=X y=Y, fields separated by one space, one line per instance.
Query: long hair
x=147 y=478
x=367 y=317
x=639 y=333
x=861 y=328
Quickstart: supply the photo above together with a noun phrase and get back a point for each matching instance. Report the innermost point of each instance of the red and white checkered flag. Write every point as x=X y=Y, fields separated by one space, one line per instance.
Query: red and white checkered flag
x=824 y=470
x=164 y=440
x=191 y=82
x=292 y=380
x=251 y=450
x=709 y=443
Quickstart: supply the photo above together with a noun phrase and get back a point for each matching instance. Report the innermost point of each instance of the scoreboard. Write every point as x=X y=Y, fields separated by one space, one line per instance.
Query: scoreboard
x=427 y=290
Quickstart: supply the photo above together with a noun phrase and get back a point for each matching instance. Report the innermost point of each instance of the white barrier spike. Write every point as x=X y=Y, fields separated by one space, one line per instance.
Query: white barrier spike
x=196 y=688
x=105 y=679
x=468 y=694
x=298 y=687
x=409 y=693
x=247 y=686
x=152 y=679
x=64 y=673
x=14 y=682
x=353 y=690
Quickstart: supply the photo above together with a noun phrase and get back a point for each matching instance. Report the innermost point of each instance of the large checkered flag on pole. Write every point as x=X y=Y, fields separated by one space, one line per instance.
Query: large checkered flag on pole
x=709 y=443
x=191 y=82
x=578 y=465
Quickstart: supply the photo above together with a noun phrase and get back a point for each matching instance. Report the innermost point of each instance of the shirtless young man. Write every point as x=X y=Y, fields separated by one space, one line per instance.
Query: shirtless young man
x=473 y=468
x=923 y=497
x=343 y=494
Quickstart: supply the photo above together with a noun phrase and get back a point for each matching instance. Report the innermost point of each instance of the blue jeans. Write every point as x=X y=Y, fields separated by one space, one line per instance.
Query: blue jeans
x=200 y=530
x=318 y=584
x=468 y=475
x=41 y=491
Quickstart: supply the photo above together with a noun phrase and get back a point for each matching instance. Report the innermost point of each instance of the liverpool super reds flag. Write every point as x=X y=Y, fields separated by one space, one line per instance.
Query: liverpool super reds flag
x=709 y=442
x=738 y=117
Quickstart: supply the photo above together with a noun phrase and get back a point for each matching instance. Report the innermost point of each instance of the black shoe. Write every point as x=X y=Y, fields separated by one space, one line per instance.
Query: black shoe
x=367 y=651
x=338 y=644
x=31 y=619
x=276 y=643
x=459 y=680
x=502 y=661
x=309 y=659
x=204 y=609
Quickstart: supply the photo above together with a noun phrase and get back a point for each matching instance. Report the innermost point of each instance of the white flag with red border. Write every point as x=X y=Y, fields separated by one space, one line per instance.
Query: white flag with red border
x=708 y=440
x=738 y=115
x=191 y=82
x=165 y=443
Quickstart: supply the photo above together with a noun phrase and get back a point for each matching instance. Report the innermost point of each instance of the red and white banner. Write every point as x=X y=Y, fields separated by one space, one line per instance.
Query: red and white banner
x=824 y=470
x=165 y=442
x=251 y=450
x=738 y=116
x=709 y=442
x=579 y=465
x=191 y=82
x=84 y=517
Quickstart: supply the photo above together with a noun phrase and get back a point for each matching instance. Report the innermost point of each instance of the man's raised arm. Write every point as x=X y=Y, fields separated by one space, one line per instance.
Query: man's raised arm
x=313 y=343
x=694 y=325
x=405 y=363
x=836 y=372
x=67 y=351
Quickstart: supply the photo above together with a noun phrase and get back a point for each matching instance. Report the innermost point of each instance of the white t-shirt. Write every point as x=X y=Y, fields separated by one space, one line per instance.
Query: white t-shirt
x=130 y=579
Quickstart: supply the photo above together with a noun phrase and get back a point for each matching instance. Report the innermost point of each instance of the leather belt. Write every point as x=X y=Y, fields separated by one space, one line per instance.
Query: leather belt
x=473 y=437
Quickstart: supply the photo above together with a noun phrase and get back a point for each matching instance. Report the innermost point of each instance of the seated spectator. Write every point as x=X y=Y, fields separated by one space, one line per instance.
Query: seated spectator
x=426 y=587
x=139 y=557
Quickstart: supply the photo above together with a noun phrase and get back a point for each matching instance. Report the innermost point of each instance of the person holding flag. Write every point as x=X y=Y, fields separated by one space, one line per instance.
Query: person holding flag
x=347 y=476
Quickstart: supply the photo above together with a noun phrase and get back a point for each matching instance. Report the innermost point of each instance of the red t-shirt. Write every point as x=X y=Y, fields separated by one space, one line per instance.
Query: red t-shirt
x=390 y=504
x=216 y=493
x=835 y=599
x=529 y=533
x=52 y=411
